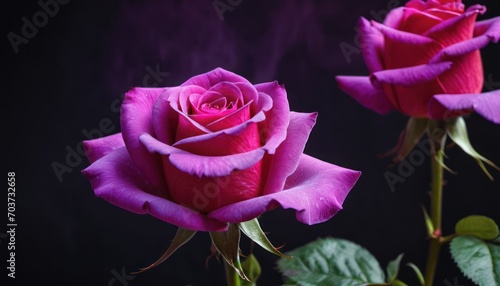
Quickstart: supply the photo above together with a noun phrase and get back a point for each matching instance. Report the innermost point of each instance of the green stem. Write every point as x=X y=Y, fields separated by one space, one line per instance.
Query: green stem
x=437 y=190
x=436 y=201
x=432 y=260
x=232 y=277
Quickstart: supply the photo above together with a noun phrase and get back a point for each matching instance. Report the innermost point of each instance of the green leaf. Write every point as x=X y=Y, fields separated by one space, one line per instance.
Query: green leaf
x=252 y=269
x=457 y=131
x=478 y=260
x=478 y=226
x=393 y=268
x=254 y=232
x=331 y=261
x=228 y=245
x=417 y=272
x=181 y=237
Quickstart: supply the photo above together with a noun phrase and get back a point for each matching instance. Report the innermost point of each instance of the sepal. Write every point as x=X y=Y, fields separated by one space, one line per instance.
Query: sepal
x=181 y=237
x=409 y=138
x=227 y=244
x=252 y=269
x=252 y=229
x=457 y=131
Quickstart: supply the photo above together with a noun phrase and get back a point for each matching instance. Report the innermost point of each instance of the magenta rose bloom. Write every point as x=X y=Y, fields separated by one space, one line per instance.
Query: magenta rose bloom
x=424 y=61
x=212 y=151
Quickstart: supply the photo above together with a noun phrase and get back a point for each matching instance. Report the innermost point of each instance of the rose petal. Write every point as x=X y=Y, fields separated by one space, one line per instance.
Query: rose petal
x=228 y=90
x=273 y=130
x=461 y=49
x=187 y=98
x=207 y=193
x=394 y=17
x=372 y=43
x=263 y=103
x=98 y=148
x=418 y=22
x=486 y=104
x=489 y=28
x=419 y=4
x=235 y=118
x=116 y=179
x=399 y=44
x=316 y=190
x=248 y=91
x=363 y=91
x=412 y=75
x=455 y=6
x=211 y=78
x=229 y=131
x=272 y=123
x=418 y=84
x=169 y=121
x=467 y=75
x=135 y=118
x=454 y=30
x=164 y=118
x=286 y=159
x=476 y=8
x=443 y=14
x=211 y=166
x=225 y=144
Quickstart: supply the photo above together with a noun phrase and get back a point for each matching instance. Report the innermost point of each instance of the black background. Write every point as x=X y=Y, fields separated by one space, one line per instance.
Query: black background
x=70 y=75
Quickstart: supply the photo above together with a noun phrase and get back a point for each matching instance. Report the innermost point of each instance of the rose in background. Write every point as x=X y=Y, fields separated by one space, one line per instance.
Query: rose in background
x=212 y=151
x=424 y=61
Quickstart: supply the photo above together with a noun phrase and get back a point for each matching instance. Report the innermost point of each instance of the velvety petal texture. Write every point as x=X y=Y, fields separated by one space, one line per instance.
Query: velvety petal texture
x=98 y=148
x=362 y=90
x=190 y=155
x=135 y=119
x=287 y=156
x=486 y=104
x=423 y=49
x=116 y=178
x=372 y=41
x=316 y=190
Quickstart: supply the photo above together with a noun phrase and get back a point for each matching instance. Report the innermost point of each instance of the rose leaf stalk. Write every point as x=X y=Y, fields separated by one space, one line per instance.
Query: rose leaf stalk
x=438 y=138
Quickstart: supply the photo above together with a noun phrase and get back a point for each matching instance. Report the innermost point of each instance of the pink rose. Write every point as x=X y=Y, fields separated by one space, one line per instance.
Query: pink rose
x=424 y=61
x=212 y=151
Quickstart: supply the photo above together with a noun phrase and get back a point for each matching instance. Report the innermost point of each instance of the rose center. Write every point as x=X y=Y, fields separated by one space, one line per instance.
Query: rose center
x=217 y=105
